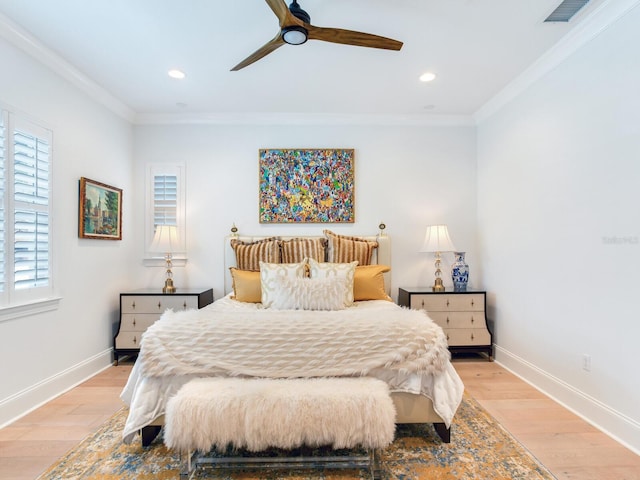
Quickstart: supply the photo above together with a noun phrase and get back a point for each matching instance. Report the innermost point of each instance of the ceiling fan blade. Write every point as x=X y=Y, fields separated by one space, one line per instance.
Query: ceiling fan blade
x=351 y=37
x=263 y=51
x=285 y=17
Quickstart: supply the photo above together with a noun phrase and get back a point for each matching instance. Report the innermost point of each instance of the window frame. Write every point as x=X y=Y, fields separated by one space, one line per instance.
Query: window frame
x=31 y=300
x=153 y=170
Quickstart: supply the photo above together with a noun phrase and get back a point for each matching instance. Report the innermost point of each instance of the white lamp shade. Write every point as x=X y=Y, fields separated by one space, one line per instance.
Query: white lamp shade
x=437 y=240
x=165 y=240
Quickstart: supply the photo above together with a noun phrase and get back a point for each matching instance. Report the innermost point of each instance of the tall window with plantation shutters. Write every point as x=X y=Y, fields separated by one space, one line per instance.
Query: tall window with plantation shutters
x=165 y=203
x=25 y=220
x=165 y=199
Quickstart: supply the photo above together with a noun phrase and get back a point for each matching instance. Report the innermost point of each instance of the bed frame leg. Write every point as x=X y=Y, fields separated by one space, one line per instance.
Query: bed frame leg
x=148 y=433
x=443 y=432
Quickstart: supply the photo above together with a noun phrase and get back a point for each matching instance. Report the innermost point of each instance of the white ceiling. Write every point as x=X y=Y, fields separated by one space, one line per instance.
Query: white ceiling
x=476 y=47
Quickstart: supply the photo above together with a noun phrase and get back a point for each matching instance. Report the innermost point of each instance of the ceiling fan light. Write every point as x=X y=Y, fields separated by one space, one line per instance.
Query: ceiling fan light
x=294 y=35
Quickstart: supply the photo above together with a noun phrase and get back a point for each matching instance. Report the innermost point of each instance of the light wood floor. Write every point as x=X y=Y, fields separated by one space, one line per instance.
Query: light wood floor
x=565 y=444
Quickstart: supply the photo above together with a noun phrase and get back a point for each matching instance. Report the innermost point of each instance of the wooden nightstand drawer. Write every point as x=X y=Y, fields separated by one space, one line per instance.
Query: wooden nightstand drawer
x=448 y=303
x=458 y=319
x=152 y=304
x=137 y=322
x=128 y=340
x=467 y=336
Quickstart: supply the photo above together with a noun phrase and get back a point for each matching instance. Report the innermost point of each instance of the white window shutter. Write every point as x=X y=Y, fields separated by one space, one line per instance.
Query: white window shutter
x=3 y=201
x=165 y=204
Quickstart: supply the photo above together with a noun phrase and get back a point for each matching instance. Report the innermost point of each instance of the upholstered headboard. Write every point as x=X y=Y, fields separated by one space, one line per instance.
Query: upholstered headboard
x=381 y=255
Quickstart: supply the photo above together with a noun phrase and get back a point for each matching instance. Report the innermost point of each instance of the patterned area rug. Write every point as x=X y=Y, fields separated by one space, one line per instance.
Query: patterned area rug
x=479 y=448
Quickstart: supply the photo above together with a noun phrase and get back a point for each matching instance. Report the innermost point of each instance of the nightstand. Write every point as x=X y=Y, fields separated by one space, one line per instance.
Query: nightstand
x=462 y=316
x=140 y=308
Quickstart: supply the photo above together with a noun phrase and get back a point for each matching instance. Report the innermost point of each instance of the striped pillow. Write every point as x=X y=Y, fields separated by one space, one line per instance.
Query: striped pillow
x=297 y=249
x=250 y=254
x=344 y=249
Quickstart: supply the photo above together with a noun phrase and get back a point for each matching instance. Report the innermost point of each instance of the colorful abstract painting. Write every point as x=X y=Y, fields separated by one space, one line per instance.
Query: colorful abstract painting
x=307 y=186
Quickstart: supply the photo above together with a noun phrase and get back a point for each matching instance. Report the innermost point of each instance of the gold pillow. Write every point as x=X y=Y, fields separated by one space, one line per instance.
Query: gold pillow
x=297 y=249
x=246 y=285
x=368 y=283
x=250 y=254
x=345 y=249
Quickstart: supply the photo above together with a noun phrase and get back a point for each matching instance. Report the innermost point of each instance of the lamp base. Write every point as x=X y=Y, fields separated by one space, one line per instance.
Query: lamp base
x=168 y=286
x=438 y=286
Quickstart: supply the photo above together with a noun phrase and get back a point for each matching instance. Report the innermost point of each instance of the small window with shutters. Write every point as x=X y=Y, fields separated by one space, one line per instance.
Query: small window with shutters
x=165 y=204
x=25 y=211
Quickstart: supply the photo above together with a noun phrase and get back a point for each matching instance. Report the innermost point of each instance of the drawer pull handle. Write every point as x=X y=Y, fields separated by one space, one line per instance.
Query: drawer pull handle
x=185 y=304
x=472 y=302
x=159 y=304
x=134 y=322
x=135 y=340
x=133 y=305
x=447 y=320
x=423 y=304
x=447 y=302
x=447 y=337
x=472 y=320
x=472 y=336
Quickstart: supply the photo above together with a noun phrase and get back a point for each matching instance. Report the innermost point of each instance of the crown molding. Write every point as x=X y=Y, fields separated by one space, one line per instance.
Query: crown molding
x=302 y=119
x=33 y=47
x=595 y=23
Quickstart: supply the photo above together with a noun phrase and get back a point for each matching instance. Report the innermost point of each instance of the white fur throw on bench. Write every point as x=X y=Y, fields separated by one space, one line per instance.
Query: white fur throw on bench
x=257 y=414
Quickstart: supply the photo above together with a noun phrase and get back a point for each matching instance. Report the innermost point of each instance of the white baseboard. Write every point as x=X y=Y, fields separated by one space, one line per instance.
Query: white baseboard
x=27 y=400
x=618 y=426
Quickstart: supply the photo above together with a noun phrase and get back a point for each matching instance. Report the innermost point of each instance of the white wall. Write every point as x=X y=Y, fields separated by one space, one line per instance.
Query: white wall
x=406 y=176
x=559 y=229
x=41 y=355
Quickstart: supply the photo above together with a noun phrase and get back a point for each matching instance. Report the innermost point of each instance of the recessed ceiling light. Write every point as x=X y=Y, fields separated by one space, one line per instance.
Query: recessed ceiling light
x=427 y=77
x=175 y=73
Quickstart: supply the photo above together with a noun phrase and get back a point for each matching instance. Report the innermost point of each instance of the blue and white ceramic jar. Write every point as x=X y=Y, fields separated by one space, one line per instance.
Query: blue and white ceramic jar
x=460 y=273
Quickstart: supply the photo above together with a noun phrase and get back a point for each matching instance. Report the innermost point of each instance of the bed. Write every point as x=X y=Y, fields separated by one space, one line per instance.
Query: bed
x=233 y=337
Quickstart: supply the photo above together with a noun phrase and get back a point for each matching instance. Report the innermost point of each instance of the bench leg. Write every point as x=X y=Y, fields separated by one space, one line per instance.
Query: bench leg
x=187 y=465
x=443 y=432
x=376 y=471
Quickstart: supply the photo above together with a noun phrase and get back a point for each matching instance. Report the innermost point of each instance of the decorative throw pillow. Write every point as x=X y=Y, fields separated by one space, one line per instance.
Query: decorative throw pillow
x=270 y=272
x=335 y=270
x=344 y=249
x=297 y=249
x=250 y=254
x=246 y=286
x=368 y=283
x=309 y=293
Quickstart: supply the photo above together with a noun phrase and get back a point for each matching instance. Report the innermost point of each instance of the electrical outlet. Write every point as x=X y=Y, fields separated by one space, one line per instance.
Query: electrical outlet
x=586 y=362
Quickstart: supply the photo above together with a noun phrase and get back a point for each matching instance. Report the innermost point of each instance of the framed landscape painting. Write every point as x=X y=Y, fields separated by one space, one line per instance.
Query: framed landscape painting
x=306 y=186
x=100 y=208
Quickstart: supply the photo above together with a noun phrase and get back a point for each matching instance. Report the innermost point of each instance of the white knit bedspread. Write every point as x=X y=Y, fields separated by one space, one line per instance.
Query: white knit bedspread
x=292 y=343
x=402 y=347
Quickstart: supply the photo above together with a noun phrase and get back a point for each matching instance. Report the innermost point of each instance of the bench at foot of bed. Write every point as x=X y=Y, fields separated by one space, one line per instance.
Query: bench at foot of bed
x=410 y=408
x=260 y=414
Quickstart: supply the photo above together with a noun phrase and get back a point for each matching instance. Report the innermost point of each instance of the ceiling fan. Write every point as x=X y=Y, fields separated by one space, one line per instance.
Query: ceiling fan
x=296 y=29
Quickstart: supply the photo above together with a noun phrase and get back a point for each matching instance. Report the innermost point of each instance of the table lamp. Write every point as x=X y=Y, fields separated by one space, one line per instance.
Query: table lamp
x=165 y=241
x=437 y=240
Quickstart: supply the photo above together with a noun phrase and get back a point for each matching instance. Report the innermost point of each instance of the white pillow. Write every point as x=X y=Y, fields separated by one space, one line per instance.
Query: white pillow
x=270 y=272
x=335 y=270
x=309 y=293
